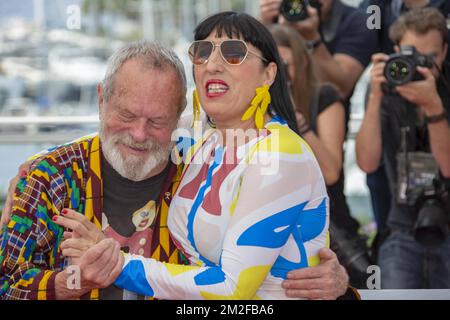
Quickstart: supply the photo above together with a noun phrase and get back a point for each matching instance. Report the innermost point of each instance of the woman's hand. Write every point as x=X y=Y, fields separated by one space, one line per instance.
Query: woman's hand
x=83 y=235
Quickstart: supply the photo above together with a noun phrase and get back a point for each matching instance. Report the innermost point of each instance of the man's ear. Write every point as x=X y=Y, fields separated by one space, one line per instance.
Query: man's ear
x=100 y=98
x=270 y=73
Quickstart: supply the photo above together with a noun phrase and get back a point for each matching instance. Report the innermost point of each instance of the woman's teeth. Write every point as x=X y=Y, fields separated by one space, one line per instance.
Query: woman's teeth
x=217 y=88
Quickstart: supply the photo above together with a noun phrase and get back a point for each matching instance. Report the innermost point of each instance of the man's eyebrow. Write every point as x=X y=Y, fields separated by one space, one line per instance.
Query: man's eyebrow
x=122 y=110
x=163 y=118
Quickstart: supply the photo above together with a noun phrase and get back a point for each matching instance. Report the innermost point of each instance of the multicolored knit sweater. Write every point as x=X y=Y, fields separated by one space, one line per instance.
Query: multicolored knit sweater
x=67 y=177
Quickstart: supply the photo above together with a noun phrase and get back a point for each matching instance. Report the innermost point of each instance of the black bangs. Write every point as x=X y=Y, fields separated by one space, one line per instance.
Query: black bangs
x=233 y=25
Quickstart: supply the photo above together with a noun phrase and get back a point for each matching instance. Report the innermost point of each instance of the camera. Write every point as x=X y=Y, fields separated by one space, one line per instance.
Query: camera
x=352 y=253
x=296 y=10
x=401 y=67
x=431 y=227
x=422 y=188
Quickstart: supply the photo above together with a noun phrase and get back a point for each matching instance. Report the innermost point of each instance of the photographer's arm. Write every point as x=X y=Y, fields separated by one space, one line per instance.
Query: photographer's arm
x=327 y=143
x=340 y=68
x=269 y=11
x=368 y=140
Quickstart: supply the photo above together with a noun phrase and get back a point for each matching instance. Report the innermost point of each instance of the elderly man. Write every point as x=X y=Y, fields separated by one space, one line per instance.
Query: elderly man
x=121 y=180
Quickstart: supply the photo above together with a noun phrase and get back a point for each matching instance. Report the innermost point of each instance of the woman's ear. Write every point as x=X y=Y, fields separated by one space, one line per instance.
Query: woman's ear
x=270 y=73
x=396 y=48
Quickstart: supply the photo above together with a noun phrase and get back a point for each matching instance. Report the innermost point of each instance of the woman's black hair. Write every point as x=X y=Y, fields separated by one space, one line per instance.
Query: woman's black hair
x=247 y=28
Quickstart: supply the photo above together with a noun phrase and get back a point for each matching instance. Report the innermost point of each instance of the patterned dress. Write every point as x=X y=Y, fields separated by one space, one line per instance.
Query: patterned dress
x=244 y=216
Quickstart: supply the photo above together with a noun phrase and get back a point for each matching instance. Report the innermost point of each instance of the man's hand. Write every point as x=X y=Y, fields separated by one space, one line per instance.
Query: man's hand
x=99 y=267
x=423 y=93
x=101 y=264
x=377 y=77
x=308 y=28
x=7 y=209
x=327 y=281
x=269 y=10
x=83 y=235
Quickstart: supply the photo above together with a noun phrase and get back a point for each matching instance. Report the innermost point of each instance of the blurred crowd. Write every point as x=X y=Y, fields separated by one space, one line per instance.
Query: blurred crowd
x=402 y=144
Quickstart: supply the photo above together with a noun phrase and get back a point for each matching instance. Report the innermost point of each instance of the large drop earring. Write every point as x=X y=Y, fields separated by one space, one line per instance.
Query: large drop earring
x=258 y=106
x=196 y=107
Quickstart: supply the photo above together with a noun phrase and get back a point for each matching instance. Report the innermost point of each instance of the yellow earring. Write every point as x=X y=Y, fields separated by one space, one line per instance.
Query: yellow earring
x=258 y=106
x=196 y=107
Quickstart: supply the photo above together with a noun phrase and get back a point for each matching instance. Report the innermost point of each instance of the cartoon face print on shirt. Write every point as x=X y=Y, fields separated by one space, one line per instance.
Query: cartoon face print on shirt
x=140 y=241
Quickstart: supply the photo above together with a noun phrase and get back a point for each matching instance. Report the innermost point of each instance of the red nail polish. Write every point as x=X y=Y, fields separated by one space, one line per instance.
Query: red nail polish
x=54 y=218
x=64 y=212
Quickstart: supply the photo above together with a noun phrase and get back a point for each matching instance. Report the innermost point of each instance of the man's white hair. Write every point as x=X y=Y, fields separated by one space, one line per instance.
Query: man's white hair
x=154 y=56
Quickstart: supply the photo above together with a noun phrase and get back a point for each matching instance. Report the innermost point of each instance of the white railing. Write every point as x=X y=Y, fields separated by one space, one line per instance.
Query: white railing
x=29 y=133
x=76 y=120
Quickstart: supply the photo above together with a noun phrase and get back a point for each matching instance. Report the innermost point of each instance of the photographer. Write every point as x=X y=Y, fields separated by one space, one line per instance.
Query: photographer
x=408 y=127
x=339 y=59
x=321 y=120
x=341 y=42
x=377 y=181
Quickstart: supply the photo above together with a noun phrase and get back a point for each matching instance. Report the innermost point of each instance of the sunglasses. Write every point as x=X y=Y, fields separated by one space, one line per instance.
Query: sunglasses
x=232 y=51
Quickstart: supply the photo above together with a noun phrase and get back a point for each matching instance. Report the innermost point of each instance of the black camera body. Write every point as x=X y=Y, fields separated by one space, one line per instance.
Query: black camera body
x=401 y=67
x=432 y=223
x=296 y=10
x=421 y=187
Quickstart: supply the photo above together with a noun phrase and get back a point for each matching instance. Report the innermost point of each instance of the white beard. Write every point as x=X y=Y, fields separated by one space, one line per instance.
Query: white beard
x=132 y=167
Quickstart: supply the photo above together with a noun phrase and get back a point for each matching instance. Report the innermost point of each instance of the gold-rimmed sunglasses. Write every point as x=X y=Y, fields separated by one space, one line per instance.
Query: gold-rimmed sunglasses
x=233 y=51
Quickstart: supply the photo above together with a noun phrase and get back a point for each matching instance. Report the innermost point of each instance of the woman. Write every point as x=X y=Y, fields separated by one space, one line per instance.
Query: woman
x=242 y=224
x=319 y=111
x=321 y=119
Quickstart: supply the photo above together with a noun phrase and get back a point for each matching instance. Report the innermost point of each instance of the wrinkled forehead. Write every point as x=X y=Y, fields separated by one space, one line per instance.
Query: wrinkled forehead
x=143 y=90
